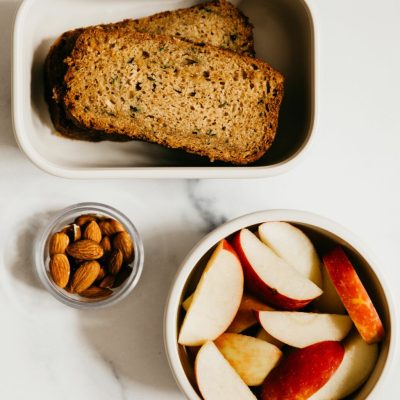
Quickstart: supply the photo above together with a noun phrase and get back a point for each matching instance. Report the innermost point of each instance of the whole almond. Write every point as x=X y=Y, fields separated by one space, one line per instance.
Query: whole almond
x=114 y=262
x=60 y=269
x=110 y=227
x=122 y=276
x=107 y=282
x=106 y=245
x=58 y=243
x=101 y=275
x=92 y=232
x=85 y=249
x=84 y=219
x=122 y=241
x=95 y=292
x=85 y=276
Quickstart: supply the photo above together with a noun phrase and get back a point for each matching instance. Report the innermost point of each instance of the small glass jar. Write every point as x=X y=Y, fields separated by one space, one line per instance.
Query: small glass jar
x=66 y=217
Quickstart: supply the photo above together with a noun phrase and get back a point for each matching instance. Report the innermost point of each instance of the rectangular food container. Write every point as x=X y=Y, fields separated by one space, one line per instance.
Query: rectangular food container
x=284 y=37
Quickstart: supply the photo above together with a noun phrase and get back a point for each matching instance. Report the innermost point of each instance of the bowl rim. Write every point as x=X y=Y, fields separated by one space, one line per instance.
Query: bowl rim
x=226 y=229
x=73 y=211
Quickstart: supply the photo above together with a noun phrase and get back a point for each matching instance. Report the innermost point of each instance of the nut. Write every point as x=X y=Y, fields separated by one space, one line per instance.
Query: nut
x=85 y=276
x=60 y=270
x=115 y=261
x=73 y=231
x=123 y=242
x=110 y=227
x=92 y=232
x=84 y=219
x=85 y=249
x=122 y=276
x=107 y=282
x=58 y=243
x=101 y=275
x=106 y=245
x=95 y=292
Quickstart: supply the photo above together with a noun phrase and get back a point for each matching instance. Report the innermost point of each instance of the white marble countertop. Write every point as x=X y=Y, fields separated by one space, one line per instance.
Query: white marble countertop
x=351 y=174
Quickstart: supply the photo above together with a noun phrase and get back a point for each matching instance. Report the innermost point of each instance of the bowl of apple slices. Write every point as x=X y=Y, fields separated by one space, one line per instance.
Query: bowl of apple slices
x=279 y=305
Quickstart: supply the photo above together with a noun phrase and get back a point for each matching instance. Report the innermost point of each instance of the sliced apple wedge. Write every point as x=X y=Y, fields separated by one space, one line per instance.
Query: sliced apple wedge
x=246 y=316
x=291 y=244
x=302 y=329
x=358 y=362
x=270 y=277
x=354 y=296
x=251 y=358
x=303 y=372
x=329 y=301
x=262 y=334
x=216 y=378
x=216 y=299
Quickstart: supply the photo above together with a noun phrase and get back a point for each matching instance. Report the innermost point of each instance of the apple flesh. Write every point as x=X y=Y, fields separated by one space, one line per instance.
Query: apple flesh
x=303 y=372
x=216 y=378
x=354 y=296
x=302 y=329
x=270 y=277
x=329 y=301
x=246 y=316
x=251 y=358
x=292 y=245
x=358 y=362
x=216 y=299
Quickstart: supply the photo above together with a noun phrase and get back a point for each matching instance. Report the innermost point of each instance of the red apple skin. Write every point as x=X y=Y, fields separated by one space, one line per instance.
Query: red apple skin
x=252 y=281
x=354 y=296
x=303 y=372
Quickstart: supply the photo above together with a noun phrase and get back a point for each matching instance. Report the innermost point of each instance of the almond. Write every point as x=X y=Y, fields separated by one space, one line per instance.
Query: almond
x=107 y=282
x=101 y=275
x=95 y=292
x=84 y=219
x=122 y=276
x=106 y=245
x=73 y=231
x=60 y=269
x=115 y=261
x=122 y=241
x=110 y=227
x=92 y=232
x=84 y=276
x=85 y=249
x=58 y=243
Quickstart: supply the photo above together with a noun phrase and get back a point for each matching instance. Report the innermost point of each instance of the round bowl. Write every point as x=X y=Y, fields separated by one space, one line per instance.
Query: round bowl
x=324 y=234
x=66 y=217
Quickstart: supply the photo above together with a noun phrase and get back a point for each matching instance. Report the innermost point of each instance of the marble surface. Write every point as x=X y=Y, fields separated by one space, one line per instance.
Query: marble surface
x=351 y=174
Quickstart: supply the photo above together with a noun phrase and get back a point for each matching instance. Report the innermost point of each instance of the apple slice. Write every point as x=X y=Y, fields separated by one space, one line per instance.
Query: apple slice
x=358 y=362
x=302 y=329
x=262 y=334
x=303 y=372
x=354 y=296
x=329 y=301
x=270 y=277
x=251 y=358
x=291 y=244
x=216 y=378
x=246 y=316
x=216 y=298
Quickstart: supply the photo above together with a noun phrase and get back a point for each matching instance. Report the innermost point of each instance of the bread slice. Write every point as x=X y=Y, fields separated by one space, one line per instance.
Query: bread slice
x=218 y=23
x=161 y=89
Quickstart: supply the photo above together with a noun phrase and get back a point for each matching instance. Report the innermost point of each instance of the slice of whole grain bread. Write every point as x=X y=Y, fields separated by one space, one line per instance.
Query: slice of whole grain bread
x=217 y=22
x=161 y=89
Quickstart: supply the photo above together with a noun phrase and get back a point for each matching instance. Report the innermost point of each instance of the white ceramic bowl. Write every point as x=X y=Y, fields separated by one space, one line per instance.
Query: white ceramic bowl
x=284 y=36
x=324 y=234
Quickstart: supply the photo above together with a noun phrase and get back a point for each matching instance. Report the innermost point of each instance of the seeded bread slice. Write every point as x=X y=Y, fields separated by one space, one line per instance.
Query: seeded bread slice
x=217 y=22
x=161 y=89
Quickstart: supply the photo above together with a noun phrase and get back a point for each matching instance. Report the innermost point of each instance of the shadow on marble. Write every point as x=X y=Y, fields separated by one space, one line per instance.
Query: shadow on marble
x=7 y=16
x=129 y=336
x=22 y=258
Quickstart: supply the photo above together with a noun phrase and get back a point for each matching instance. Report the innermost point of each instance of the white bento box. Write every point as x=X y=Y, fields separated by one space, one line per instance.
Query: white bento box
x=284 y=37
